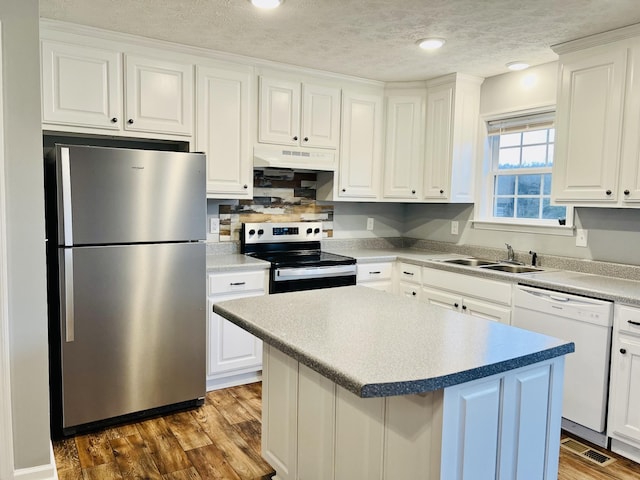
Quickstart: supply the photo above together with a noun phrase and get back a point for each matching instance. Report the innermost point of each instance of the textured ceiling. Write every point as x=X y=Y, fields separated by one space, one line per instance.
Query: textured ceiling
x=367 y=38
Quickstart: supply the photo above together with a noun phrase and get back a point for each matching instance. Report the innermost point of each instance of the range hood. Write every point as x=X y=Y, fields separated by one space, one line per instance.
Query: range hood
x=279 y=156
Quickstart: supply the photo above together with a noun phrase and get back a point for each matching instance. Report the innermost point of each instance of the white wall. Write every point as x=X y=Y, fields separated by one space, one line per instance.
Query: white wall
x=25 y=233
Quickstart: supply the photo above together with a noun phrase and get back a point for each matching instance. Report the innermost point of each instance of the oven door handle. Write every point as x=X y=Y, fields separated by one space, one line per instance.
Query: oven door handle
x=301 y=273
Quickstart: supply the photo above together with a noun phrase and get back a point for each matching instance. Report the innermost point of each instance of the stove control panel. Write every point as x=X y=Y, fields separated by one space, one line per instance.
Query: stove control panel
x=281 y=232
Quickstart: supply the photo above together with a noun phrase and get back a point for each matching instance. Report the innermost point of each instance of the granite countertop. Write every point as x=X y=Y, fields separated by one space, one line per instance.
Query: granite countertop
x=234 y=262
x=587 y=284
x=377 y=344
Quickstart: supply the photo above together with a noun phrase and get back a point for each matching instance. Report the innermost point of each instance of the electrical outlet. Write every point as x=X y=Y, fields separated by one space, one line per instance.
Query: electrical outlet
x=370 y=223
x=581 y=237
x=214 y=225
x=454 y=227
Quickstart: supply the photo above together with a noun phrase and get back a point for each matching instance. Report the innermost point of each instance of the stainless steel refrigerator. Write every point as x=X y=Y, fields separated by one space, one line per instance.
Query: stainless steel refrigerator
x=126 y=279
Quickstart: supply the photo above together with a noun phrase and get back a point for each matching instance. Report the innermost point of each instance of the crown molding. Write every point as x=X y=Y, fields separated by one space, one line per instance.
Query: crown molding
x=624 y=33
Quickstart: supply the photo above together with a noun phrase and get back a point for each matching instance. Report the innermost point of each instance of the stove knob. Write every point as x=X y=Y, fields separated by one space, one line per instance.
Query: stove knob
x=252 y=232
x=260 y=232
x=317 y=230
x=309 y=231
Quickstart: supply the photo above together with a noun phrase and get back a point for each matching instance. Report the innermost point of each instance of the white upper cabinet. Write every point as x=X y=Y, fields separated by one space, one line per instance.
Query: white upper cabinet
x=588 y=125
x=361 y=146
x=297 y=114
x=404 y=150
x=597 y=158
x=84 y=86
x=223 y=112
x=453 y=105
x=159 y=95
x=81 y=86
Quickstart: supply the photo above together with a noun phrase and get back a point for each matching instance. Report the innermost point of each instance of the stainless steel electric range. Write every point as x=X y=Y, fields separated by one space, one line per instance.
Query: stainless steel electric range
x=297 y=261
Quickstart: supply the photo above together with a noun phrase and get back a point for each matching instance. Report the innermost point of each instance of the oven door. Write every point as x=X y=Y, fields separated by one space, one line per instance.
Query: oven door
x=293 y=279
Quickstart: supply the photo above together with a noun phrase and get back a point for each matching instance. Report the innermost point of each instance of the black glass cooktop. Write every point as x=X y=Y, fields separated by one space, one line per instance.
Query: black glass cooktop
x=305 y=258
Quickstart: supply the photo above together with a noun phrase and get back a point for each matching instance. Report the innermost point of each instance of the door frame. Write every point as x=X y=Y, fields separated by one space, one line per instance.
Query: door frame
x=6 y=430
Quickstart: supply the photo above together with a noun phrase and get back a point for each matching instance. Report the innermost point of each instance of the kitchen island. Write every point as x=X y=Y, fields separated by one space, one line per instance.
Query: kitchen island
x=360 y=384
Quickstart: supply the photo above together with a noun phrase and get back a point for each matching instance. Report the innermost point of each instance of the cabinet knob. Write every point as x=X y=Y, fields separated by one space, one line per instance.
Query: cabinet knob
x=295 y=138
x=608 y=192
x=413 y=192
x=344 y=189
x=413 y=293
x=130 y=121
x=627 y=192
x=456 y=305
x=464 y=307
x=114 y=120
x=306 y=139
x=623 y=351
x=245 y=186
x=441 y=192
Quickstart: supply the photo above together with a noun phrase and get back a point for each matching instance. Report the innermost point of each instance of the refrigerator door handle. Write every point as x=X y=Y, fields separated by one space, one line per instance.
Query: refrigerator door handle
x=69 y=327
x=66 y=197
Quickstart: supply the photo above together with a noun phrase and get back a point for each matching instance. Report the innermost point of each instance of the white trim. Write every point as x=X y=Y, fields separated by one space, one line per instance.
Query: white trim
x=560 y=230
x=624 y=33
x=41 y=472
x=6 y=430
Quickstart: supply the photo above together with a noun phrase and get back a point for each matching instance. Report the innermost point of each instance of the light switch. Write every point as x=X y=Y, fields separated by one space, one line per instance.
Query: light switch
x=214 y=225
x=370 y=223
x=454 y=227
x=581 y=237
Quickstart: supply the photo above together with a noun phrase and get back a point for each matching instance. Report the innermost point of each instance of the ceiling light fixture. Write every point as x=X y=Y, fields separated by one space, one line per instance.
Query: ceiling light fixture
x=266 y=4
x=516 y=66
x=431 y=43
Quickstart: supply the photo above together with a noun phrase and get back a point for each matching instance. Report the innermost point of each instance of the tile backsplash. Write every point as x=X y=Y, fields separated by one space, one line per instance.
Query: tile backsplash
x=278 y=196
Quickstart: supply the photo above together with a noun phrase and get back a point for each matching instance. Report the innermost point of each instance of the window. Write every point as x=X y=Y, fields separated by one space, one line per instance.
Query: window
x=518 y=167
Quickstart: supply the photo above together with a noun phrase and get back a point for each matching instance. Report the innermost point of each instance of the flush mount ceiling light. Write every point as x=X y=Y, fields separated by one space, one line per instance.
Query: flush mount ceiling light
x=517 y=66
x=266 y=4
x=431 y=43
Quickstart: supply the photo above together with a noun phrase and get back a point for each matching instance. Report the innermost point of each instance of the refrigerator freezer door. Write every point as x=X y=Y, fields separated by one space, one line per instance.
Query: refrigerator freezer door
x=118 y=196
x=139 y=320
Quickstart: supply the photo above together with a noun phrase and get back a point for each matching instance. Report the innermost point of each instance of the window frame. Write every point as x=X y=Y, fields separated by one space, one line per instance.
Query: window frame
x=483 y=216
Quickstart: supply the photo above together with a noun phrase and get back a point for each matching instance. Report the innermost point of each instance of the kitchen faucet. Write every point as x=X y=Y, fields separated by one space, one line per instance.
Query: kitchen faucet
x=510 y=255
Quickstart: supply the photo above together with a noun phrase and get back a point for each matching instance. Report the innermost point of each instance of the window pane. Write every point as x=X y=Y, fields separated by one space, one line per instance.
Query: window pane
x=529 y=184
x=535 y=136
x=505 y=185
x=528 y=208
x=552 y=135
x=510 y=140
x=550 y=155
x=535 y=156
x=503 y=207
x=509 y=158
x=546 y=190
x=551 y=212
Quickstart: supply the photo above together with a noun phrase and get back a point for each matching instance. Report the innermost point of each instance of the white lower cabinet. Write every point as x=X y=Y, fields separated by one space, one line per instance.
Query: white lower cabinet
x=314 y=429
x=234 y=356
x=624 y=414
x=479 y=297
x=376 y=275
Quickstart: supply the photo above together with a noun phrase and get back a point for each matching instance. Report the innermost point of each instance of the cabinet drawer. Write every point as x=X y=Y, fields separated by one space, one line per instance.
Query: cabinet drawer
x=468 y=285
x=236 y=282
x=369 y=272
x=627 y=320
x=410 y=273
x=409 y=290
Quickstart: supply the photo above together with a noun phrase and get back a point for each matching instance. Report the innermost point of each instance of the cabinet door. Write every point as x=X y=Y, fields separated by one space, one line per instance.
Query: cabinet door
x=437 y=164
x=360 y=162
x=159 y=96
x=486 y=310
x=320 y=116
x=404 y=152
x=231 y=348
x=624 y=414
x=81 y=86
x=279 y=112
x=224 y=119
x=441 y=298
x=630 y=179
x=588 y=125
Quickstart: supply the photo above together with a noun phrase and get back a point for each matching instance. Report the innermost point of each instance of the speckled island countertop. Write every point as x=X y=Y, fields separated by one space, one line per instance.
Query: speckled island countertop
x=376 y=344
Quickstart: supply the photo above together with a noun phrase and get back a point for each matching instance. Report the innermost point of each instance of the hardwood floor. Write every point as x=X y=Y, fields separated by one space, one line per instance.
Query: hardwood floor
x=221 y=441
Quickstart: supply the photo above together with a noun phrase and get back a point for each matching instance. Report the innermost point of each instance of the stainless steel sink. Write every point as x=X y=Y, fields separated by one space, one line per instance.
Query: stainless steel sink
x=512 y=268
x=470 y=262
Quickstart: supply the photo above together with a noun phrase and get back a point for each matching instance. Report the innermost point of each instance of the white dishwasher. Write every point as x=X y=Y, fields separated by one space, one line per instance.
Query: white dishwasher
x=588 y=323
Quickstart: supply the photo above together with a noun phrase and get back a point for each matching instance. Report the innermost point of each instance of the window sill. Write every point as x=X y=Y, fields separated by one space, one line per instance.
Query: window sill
x=561 y=230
